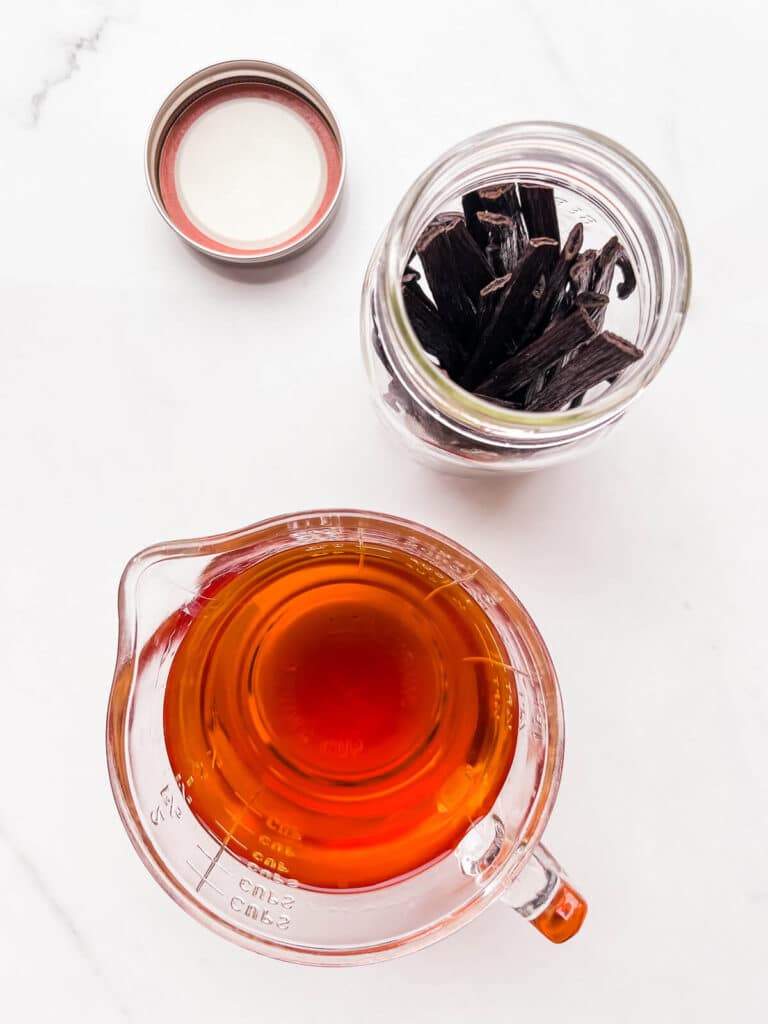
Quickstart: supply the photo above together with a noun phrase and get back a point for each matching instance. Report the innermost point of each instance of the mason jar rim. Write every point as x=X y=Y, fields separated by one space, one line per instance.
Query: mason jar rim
x=478 y=415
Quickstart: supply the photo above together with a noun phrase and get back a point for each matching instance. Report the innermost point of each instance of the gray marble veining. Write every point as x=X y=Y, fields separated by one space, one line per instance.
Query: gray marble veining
x=74 y=52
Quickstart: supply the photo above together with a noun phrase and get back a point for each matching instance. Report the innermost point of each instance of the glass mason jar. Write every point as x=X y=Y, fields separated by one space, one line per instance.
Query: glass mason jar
x=250 y=896
x=597 y=183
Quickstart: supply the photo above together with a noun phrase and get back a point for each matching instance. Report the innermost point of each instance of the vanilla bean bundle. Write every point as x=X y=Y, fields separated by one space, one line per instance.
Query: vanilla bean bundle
x=513 y=314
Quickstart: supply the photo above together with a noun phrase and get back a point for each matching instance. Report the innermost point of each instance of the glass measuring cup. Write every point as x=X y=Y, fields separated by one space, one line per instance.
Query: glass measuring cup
x=252 y=899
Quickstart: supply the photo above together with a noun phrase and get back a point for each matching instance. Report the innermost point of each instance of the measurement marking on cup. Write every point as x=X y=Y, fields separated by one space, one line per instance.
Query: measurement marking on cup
x=184 y=786
x=166 y=809
x=451 y=583
x=230 y=837
x=248 y=805
x=499 y=664
x=204 y=877
x=209 y=857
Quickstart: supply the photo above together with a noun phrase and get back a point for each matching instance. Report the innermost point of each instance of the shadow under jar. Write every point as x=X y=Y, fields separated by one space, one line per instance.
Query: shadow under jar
x=597 y=183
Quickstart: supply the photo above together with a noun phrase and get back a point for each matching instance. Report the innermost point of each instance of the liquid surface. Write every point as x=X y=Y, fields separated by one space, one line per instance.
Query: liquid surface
x=340 y=716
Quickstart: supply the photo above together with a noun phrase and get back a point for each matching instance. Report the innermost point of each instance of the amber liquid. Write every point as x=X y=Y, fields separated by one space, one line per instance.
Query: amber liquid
x=340 y=716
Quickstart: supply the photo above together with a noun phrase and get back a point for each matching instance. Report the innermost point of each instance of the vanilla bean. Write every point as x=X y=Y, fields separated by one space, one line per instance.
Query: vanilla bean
x=604 y=356
x=557 y=303
x=489 y=298
x=602 y=274
x=501 y=199
x=581 y=270
x=605 y=266
x=456 y=270
x=525 y=397
x=554 y=295
x=559 y=339
x=593 y=303
x=505 y=242
x=540 y=288
x=540 y=211
x=510 y=316
x=436 y=338
x=629 y=282
x=573 y=243
x=505 y=305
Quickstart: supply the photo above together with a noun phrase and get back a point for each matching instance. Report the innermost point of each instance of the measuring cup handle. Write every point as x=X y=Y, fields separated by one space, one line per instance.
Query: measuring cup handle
x=542 y=895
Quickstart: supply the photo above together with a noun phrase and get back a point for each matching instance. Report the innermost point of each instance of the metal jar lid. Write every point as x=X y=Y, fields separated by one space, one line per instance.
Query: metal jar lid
x=245 y=161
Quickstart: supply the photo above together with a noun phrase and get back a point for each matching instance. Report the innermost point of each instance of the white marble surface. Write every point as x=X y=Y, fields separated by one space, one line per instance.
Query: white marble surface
x=146 y=394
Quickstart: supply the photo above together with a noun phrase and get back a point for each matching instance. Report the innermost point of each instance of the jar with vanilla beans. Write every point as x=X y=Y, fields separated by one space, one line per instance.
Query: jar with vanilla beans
x=452 y=403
